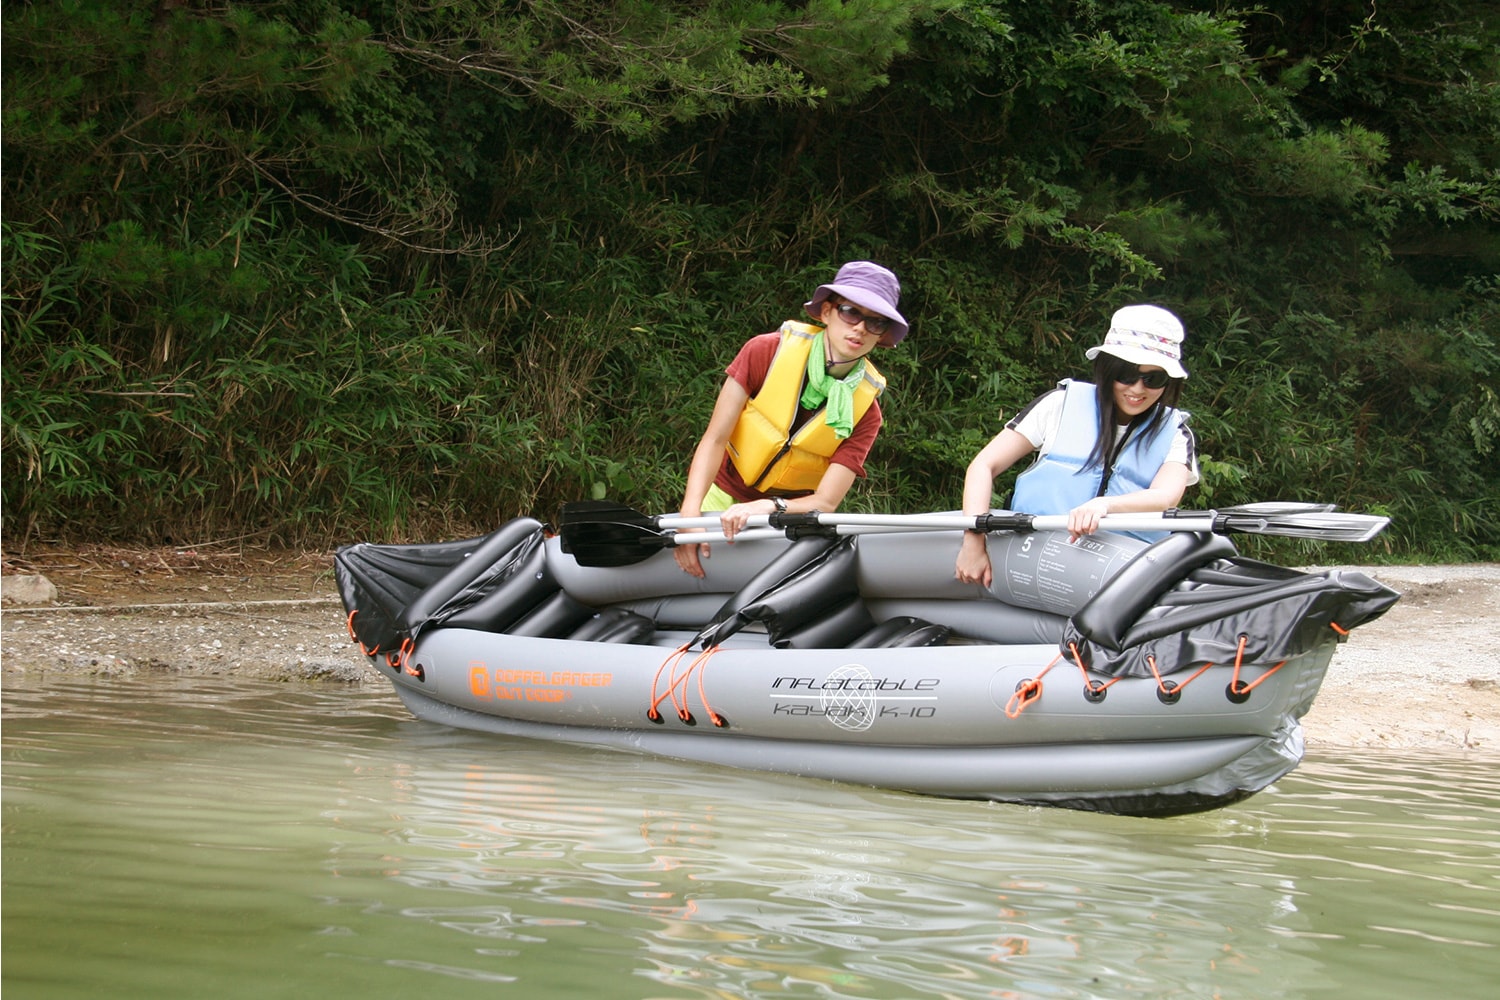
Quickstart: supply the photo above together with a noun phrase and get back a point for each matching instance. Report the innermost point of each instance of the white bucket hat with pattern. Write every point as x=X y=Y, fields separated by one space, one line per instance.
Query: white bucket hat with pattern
x=1144 y=335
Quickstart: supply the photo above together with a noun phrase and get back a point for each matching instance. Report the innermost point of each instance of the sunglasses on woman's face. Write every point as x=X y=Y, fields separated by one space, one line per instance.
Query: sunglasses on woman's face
x=1157 y=379
x=854 y=317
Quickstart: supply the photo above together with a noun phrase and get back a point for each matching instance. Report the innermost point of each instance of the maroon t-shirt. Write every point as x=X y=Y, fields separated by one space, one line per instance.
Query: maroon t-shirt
x=749 y=369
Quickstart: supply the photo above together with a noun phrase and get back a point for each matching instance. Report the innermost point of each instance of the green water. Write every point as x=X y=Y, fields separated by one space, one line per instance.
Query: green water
x=224 y=838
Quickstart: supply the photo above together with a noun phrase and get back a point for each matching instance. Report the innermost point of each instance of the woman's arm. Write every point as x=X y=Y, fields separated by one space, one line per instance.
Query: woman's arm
x=707 y=458
x=832 y=488
x=1166 y=490
x=1004 y=450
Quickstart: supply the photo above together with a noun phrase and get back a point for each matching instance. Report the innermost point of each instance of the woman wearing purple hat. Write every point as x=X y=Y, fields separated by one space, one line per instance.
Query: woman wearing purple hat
x=799 y=411
x=1116 y=445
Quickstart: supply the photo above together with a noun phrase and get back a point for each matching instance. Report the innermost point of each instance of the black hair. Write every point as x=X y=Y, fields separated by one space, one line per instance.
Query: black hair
x=1106 y=367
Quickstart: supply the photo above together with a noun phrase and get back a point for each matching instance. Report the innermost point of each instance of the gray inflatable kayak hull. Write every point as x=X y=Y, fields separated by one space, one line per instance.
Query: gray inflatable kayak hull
x=944 y=715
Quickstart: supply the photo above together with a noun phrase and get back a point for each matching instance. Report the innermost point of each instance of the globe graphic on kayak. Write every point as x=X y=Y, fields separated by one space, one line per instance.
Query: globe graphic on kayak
x=844 y=704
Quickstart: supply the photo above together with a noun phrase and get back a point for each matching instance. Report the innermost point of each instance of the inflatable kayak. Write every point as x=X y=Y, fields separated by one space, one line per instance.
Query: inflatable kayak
x=1113 y=674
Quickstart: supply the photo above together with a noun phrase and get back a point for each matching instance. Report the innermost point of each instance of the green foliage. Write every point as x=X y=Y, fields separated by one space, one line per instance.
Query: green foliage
x=314 y=269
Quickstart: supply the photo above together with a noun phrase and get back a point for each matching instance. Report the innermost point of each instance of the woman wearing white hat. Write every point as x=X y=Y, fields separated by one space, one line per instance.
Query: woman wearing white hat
x=797 y=415
x=1116 y=445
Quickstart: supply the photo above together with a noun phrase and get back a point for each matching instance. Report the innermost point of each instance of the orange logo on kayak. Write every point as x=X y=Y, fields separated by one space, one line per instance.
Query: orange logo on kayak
x=495 y=683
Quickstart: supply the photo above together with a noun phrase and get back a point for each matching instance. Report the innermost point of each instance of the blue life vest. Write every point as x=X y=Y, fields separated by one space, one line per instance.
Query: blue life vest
x=1060 y=477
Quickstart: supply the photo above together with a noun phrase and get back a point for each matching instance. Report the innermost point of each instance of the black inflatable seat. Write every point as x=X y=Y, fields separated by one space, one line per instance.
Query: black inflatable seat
x=833 y=628
x=564 y=617
x=615 y=625
x=901 y=632
x=799 y=604
x=806 y=599
x=556 y=617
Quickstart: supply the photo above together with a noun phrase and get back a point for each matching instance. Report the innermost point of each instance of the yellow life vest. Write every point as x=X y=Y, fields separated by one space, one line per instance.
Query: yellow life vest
x=768 y=456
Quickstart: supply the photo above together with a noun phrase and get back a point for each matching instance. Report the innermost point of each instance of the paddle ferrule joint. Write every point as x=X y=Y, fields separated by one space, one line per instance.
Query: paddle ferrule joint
x=806 y=525
x=1003 y=522
x=796 y=522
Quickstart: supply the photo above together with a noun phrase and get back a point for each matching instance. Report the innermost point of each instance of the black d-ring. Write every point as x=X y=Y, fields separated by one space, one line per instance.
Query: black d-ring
x=1169 y=692
x=1237 y=692
x=1094 y=692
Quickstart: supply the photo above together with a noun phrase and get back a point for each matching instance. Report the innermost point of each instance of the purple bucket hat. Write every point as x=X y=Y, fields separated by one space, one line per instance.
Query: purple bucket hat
x=869 y=286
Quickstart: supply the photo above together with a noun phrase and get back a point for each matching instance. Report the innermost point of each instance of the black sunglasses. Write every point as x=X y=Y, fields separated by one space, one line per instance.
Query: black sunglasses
x=1154 y=380
x=854 y=317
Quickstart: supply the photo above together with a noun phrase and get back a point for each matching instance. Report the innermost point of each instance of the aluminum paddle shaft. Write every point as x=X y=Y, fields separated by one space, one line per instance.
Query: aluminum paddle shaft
x=1254 y=519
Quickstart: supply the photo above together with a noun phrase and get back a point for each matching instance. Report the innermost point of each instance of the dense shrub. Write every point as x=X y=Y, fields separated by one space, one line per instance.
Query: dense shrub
x=312 y=270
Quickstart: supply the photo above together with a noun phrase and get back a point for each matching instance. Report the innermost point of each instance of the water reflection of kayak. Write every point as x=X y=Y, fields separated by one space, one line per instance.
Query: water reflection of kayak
x=1112 y=674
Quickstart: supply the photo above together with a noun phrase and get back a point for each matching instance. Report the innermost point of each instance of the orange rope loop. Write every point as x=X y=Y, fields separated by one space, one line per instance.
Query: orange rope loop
x=1234 y=682
x=714 y=717
x=1028 y=691
x=678 y=686
x=407 y=648
x=1089 y=684
x=1247 y=688
x=1161 y=685
x=353 y=637
x=1337 y=628
x=653 y=711
x=1239 y=654
x=1099 y=686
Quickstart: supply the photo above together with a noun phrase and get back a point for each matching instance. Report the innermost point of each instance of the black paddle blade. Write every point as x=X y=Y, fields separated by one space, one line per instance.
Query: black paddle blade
x=606 y=512
x=602 y=543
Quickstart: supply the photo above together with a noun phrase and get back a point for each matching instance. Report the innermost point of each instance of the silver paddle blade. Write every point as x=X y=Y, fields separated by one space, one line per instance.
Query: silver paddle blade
x=1328 y=526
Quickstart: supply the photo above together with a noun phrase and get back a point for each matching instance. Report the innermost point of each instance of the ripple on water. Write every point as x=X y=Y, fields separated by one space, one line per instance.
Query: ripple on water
x=187 y=837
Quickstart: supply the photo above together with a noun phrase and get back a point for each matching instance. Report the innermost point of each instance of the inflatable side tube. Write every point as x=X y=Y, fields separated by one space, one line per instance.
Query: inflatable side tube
x=833 y=628
x=1043 y=571
x=729 y=568
x=916 y=564
x=1038 y=570
x=485 y=556
x=1108 y=616
x=502 y=596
